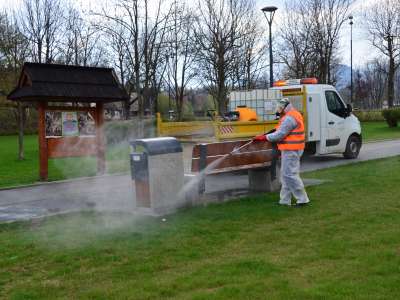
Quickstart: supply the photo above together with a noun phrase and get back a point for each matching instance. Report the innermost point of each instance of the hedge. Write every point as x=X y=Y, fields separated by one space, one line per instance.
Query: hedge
x=392 y=116
x=369 y=115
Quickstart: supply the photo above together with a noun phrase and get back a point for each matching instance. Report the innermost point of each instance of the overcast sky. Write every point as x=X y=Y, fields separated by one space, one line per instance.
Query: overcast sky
x=362 y=50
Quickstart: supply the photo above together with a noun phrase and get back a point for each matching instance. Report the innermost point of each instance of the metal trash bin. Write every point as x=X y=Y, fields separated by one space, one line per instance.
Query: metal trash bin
x=158 y=175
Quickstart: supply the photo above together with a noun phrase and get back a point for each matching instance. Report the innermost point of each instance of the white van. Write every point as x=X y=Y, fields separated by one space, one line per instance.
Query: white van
x=330 y=125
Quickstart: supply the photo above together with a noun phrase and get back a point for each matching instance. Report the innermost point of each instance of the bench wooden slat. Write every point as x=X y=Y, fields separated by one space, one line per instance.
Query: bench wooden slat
x=255 y=155
x=226 y=147
x=238 y=168
x=218 y=148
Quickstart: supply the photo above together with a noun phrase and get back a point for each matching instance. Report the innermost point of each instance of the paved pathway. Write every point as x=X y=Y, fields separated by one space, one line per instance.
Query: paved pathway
x=116 y=192
x=102 y=193
x=368 y=151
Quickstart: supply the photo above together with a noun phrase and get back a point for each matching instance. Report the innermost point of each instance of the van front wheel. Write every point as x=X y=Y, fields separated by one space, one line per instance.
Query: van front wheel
x=353 y=147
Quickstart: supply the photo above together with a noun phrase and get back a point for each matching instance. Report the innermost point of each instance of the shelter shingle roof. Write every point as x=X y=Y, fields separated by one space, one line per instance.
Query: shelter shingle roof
x=62 y=83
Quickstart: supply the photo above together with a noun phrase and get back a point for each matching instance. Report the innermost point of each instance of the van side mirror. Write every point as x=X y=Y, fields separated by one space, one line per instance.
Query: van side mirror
x=349 y=109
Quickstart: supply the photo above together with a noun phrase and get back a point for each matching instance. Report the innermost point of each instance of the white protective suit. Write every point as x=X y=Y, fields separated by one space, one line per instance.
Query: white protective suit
x=290 y=164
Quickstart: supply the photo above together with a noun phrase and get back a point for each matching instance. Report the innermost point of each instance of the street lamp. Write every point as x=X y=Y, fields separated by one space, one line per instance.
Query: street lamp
x=269 y=12
x=351 y=59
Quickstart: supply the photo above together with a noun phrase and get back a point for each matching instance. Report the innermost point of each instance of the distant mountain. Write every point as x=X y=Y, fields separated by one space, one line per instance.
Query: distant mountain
x=343 y=75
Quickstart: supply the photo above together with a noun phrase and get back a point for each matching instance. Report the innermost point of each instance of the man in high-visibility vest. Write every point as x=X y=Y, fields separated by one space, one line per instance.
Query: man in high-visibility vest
x=290 y=137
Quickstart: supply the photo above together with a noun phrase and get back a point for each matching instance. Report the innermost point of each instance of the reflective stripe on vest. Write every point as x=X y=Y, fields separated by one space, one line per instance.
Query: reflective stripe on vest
x=295 y=140
x=291 y=142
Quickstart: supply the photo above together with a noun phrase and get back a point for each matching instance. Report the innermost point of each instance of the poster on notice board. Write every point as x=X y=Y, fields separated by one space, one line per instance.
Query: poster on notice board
x=53 y=124
x=70 y=123
x=86 y=124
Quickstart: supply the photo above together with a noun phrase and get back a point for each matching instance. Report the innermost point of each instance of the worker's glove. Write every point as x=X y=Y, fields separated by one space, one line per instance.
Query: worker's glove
x=260 y=138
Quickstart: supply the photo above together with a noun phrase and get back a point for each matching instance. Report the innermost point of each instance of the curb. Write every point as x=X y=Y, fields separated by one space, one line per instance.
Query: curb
x=379 y=141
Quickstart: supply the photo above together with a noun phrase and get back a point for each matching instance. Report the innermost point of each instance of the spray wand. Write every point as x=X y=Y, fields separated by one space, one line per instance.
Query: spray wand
x=233 y=152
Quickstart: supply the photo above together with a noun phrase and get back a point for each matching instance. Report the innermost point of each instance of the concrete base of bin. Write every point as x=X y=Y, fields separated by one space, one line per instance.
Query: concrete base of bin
x=260 y=181
x=191 y=190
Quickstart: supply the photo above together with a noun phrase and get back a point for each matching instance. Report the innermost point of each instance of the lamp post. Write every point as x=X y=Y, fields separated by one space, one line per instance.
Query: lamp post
x=351 y=59
x=269 y=12
x=169 y=85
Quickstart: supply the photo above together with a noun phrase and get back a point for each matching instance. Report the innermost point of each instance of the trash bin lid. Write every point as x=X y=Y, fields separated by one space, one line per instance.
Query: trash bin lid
x=157 y=146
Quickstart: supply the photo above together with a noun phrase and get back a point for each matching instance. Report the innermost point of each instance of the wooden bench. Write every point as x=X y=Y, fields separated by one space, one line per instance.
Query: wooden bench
x=258 y=159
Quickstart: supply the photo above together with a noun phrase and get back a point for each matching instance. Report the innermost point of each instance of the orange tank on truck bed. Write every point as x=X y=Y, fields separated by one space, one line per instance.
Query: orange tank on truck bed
x=246 y=114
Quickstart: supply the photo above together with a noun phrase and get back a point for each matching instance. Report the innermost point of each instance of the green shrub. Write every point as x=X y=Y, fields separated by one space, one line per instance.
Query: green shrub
x=392 y=116
x=209 y=104
x=164 y=104
x=369 y=115
x=163 y=108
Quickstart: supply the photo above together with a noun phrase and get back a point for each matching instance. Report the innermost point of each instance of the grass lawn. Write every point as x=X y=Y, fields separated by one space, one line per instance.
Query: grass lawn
x=374 y=131
x=14 y=172
x=346 y=245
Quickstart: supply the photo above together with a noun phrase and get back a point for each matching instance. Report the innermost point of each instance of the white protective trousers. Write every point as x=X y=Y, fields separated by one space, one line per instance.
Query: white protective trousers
x=290 y=178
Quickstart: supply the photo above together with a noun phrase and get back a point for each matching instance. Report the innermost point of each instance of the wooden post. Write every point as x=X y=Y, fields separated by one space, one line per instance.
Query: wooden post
x=159 y=124
x=202 y=167
x=101 y=160
x=43 y=157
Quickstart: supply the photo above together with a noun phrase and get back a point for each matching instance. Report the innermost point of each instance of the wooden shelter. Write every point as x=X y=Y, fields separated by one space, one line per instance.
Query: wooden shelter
x=75 y=89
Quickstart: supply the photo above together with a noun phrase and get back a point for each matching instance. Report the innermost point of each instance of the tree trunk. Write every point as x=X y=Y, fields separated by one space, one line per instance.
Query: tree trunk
x=126 y=110
x=391 y=81
x=221 y=98
x=39 y=49
x=137 y=61
x=222 y=107
x=221 y=92
x=179 y=108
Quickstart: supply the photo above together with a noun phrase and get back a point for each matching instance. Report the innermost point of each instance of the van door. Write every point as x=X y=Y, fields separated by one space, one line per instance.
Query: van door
x=335 y=117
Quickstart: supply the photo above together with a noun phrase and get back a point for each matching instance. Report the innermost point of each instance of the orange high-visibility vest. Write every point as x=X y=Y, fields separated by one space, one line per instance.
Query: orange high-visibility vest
x=295 y=140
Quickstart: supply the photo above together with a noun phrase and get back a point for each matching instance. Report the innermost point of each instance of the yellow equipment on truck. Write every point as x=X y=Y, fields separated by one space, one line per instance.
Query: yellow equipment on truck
x=246 y=113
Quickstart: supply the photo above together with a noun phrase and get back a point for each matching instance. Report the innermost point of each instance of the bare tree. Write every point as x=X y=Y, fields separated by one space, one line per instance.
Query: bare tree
x=219 y=26
x=249 y=56
x=361 y=89
x=143 y=38
x=154 y=44
x=376 y=73
x=370 y=84
x=296 y=50
x=180 y=54
x=80 y=41
x=329 y=16
x=311 y=36
x=119 y=41
x=383 y=21
x=41 y=22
